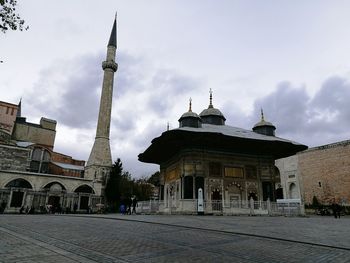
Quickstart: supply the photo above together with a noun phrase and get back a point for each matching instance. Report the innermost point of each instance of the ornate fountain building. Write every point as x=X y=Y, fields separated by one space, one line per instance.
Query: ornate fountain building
x=232 y=165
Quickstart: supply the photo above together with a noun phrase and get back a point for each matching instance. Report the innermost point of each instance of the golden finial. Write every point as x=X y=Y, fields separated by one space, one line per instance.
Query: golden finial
x=167 y=126
x=262 y=115
x=210 y=98
x=190 y=109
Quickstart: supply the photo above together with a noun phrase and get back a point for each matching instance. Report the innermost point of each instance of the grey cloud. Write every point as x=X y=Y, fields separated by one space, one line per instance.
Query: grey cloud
x=167 y=87
x=79 y=104
x=322 y=119
x=286 y=107
x=130 y=75
x=73 y=98
x=330 y=105
x=79 y=88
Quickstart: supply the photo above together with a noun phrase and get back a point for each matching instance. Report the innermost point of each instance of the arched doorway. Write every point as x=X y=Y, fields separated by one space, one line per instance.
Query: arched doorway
x=56 y=191
x=18 y=187
x=84 y=192
x=293 y=191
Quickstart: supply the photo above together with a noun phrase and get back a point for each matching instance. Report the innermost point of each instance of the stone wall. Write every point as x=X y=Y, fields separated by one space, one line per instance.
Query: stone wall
x=14 y=158
x=289 y=172
x=29 y=132
x=325 y=173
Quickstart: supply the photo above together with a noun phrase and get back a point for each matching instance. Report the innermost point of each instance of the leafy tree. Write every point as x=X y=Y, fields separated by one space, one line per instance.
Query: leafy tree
x=113 y=184
x=9 y=18
x=143 y=190
x=154 y=179
x=120 y=185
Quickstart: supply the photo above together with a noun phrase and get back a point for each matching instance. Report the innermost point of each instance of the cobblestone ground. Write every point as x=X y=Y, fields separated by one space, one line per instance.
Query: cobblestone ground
x=114 y=238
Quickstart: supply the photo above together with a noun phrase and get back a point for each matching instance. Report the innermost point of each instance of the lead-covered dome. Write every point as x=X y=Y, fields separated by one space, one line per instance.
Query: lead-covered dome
x=264 y=127
x=212 y=115
x=190 y=119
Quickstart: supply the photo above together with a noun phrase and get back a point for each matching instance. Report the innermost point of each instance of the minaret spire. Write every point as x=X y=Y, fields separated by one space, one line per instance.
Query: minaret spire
x=100 y=159
x=113 y=38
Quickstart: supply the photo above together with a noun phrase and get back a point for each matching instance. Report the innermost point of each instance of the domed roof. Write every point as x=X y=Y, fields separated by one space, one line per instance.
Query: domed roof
x=264 y=127
x=189 y=114
x=263 y=123
x=190 y=118
x=212 y=115
x=212 y=111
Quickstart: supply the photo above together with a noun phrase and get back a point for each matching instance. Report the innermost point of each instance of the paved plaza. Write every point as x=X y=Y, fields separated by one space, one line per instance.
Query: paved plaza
x=161 y=238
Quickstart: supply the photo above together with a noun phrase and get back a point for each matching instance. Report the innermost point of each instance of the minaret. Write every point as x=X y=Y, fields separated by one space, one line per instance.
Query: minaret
x=100 y=160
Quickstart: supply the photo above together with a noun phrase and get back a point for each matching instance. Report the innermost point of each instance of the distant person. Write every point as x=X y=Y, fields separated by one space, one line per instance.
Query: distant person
x=122 y=209
x=128 y=205
x=134 y=204
x=122 y=206
x=75 y=207
x=338 y=210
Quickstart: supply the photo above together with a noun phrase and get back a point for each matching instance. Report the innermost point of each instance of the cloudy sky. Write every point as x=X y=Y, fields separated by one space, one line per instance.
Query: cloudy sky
x=292 y=58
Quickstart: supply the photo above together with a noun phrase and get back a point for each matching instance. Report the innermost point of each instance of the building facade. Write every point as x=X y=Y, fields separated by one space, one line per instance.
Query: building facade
x=230 y=165
x=34 y=177
x=322 y=172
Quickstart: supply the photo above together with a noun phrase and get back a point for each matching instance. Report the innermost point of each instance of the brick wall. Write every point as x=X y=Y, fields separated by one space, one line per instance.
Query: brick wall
x=325 y=173
x=62 y=158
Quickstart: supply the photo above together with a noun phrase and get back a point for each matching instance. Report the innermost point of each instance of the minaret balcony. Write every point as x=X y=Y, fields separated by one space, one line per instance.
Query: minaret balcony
x=110 y=65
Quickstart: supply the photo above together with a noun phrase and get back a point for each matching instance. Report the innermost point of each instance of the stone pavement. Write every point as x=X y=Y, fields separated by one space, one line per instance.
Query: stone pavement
x=146 y=238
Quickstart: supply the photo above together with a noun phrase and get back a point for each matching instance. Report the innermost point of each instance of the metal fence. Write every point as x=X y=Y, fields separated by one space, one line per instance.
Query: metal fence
x=241 y=207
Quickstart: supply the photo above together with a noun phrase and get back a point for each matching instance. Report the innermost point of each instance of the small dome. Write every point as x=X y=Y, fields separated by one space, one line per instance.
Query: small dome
x=189 y=114
x=264 y=127
x=190 y=119
x=212 y=115
x=212 y=111
x=263 y=123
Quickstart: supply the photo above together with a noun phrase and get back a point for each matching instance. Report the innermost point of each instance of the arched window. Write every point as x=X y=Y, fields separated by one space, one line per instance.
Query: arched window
x=40 y=160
